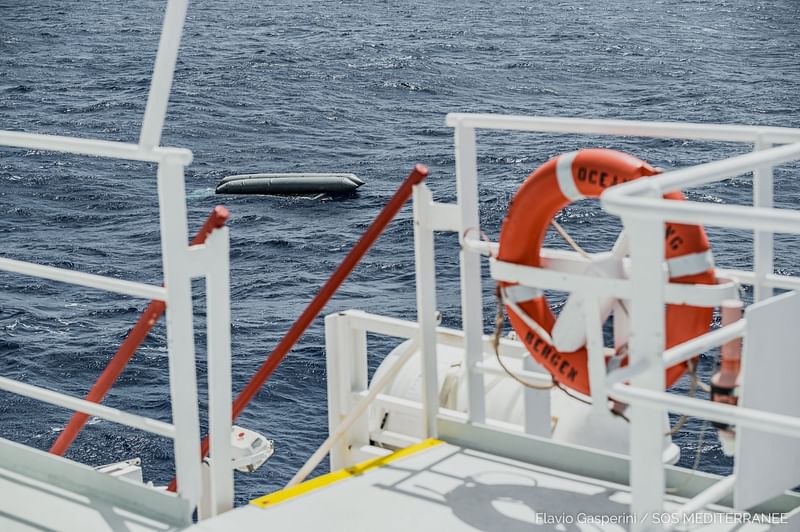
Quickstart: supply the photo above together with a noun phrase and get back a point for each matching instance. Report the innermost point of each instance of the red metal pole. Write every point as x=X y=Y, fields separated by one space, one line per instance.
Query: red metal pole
x=325 y=293
x=129 y=346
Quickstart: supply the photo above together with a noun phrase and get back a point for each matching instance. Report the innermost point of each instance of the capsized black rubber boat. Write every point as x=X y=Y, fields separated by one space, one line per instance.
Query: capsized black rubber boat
x=289 y=184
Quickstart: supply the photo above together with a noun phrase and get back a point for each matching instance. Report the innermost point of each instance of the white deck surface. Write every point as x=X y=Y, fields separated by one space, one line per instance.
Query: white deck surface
x=447 y=488
x=32 y=505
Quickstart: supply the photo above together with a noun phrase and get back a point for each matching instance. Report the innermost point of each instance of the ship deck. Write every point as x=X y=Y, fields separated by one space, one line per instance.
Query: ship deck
x=430 y=486
x=440 y=486
x=42 y=492
x=37 y=506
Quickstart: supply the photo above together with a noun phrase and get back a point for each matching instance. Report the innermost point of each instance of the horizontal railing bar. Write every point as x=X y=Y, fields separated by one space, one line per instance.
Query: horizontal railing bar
x=701 y=174
x=93 y=147
x=94 y=409
x=444 y=217
x=357 y=411
x=554 y=259
x=491 y=367
x=481 y=247
x=446 y=413
x=374 y=323
x=699 y=344
x=734 y=216
x=627 y=372
x=415 y=407
x=555 y=280
x=700 y=295
x=626 y=128
x=683 y=352
x=772 y=280
x=734 y=415
x=89 y=280
x=572 y=263
x=547 y=279
x=629 y=199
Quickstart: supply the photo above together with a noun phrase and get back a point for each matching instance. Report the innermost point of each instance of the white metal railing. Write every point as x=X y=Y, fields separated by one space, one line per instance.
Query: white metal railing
x=181 y=263
x=647 y=288
x=625 y=128
x=462 y=217
x=466 y=175
x=94 y=147
x=643 y=212
x=88 y=280
x=87 y=407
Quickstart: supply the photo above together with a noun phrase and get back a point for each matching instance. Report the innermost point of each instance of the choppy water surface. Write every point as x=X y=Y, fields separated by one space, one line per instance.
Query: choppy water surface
x=351 y=87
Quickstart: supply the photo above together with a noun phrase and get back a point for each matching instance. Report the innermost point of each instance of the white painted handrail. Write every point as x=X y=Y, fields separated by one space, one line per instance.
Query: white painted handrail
x=722 y=413
x=691 y=348
x=554 y=279
x=628 y=200
x=89 y=280
x=87 y=407
x=92 y=147
x=644 y=212
x=625 y=128
x=647 y=287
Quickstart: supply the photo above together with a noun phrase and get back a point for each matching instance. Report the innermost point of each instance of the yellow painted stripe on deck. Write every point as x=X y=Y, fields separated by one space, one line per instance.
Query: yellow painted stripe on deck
x=321 y=481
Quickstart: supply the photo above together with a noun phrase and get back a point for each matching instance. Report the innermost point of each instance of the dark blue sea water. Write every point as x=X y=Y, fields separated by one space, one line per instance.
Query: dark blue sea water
x=344 y=86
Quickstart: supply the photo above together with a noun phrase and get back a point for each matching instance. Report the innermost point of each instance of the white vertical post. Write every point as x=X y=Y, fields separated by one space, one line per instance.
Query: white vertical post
x=471 y=297
x=180 y=332
x=646 y=343
x=338 y=386
x=358 y=434
x=763 y=251
x=347 y=377
x=595 y=354
x=163 y=71
x=536 y=404
x=218 y=324
x=426 y=305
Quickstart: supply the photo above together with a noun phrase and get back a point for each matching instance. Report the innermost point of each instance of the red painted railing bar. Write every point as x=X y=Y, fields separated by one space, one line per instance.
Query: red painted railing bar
x=130 y=345
x=325 y=293
x=219 y=215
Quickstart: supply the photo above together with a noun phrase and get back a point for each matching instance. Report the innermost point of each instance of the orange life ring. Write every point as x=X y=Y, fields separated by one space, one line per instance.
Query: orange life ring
x=553 y=186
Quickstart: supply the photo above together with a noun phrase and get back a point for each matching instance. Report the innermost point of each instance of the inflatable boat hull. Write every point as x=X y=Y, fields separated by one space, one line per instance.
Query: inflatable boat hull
x=289 y=184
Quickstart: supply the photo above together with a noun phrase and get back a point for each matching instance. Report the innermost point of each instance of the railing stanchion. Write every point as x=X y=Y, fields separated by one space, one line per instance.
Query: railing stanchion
x=647 y=478
x=218 y=325
x=470 y=270
x=763 y=251
x=338 y=383
x=180 y=329
x=425 y=267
